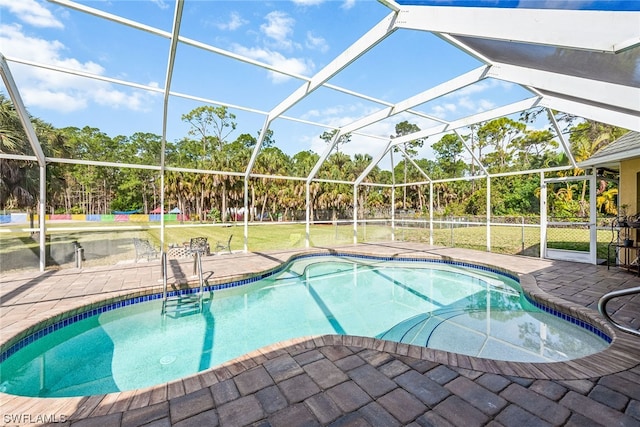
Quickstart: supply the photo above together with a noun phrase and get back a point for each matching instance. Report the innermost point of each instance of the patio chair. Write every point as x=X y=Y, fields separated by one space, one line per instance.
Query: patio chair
x=199 y=244
x=144 y=249
x=221 y=246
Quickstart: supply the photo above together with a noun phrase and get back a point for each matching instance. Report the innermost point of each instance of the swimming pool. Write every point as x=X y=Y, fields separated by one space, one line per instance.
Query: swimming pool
x=132 y=345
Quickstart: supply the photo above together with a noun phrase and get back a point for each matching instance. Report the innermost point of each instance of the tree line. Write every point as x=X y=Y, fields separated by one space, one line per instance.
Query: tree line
x=497 y=146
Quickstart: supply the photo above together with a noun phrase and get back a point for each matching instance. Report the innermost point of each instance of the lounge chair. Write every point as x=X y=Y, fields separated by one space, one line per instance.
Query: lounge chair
x=221 y=246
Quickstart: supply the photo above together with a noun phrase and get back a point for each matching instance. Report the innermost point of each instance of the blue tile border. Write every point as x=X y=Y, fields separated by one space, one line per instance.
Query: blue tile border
x=46 y=330
x=571 y=319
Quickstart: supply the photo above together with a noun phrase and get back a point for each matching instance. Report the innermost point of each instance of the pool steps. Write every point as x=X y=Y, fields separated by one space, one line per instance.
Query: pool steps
x=178 y=304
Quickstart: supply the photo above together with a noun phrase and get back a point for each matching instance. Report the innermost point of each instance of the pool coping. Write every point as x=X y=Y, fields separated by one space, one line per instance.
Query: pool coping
x=622 y=353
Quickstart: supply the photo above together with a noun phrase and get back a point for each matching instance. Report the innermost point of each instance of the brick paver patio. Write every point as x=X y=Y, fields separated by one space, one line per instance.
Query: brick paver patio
x=346 y=380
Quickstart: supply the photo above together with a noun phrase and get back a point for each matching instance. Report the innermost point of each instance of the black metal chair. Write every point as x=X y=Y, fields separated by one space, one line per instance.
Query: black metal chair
x=198 y=247
x=198 y=244
x=221 y=246
x=144 y=248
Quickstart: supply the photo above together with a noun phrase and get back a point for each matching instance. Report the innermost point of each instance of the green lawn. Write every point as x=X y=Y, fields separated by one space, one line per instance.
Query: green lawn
x=508 y=239
x=114 y=245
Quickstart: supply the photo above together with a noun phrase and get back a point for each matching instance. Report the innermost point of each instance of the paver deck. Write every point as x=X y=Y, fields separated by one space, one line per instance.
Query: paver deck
x=346 y=380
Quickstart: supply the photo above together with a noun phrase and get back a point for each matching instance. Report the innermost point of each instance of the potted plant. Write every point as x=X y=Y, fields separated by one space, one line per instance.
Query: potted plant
x=622 y=216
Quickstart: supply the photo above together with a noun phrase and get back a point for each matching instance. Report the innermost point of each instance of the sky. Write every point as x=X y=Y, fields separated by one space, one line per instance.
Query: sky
x=300 y=36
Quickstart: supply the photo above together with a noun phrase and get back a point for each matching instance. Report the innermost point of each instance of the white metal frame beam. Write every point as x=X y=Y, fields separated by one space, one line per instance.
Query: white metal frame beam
x=626 y=120
x=197 y=44
x=505 y=110
x=594 y=91
x=452 y=85
x=565 y=144
x=175 y=33
x=470 y=151
x=574 y=29
x=30 y=132
x=185 y=95
x=23 y=115
x=413 y=162
x=374 y=36
x=445 y=88
x=365 y=43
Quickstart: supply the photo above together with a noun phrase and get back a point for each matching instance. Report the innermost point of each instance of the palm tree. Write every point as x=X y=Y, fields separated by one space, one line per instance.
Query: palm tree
x=271 y=161
x=302 y=164
x=402 y=129
x=213 y=125
x=19 y=179
x=587 y=138
x=606 y=201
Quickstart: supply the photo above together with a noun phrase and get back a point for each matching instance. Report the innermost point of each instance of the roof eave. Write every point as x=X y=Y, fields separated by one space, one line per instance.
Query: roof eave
x=611 y=158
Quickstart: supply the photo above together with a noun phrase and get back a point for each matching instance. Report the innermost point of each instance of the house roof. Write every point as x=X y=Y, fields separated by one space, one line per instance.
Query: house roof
x=624 y=148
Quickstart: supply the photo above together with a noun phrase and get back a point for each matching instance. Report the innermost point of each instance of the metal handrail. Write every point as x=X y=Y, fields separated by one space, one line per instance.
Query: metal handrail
x=200 y=277
x=602 y=307
x=163 y=270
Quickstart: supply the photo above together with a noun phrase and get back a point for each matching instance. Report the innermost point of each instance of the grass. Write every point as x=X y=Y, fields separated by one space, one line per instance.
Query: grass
x=109 y=246
x=512 y=240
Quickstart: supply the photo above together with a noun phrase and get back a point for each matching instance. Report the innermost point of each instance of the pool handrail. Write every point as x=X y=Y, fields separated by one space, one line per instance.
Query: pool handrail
x=201 y=282
x=200 y=279
x=163 y=271
x=604 y=300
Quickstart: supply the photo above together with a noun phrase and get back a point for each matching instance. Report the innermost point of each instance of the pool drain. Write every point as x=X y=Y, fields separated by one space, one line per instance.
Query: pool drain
x=165 y=360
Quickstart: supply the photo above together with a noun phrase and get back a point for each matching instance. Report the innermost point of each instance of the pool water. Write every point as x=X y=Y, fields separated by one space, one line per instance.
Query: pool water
x=444 y=306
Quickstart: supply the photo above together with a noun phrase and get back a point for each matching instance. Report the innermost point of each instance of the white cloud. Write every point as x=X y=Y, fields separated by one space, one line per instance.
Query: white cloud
x=348 y=4
x=107 y=96
x=337 y=115
x=560 y=4
x=278 y=32
x=316 y=43
x=308 y=2
x=161 y=4
x=32 y=13
x=474 y=105
x=16 y=43
x=469 y=90
x=341 y=115
x=466 y=103
x=485 y=104
x=443 y=110
x=279 y=28
x=467 y=99
x=299 y=66
x=59 y=100
x=479 y=87
x=61 y=91
x=234 y=22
